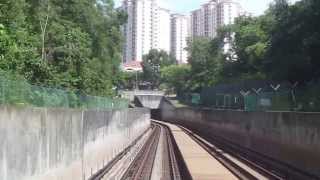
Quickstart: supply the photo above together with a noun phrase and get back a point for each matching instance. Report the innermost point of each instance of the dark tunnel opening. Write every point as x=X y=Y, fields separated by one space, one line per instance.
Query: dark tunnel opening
x=156 y=114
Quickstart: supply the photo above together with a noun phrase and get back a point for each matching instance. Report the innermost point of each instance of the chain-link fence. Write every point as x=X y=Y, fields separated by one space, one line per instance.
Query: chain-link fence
x=24 y=94
x=260 y=96
x=191 y=99
x=272 y=101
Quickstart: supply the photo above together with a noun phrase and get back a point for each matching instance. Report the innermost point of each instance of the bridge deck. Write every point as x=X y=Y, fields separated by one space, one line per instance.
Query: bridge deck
x=201 y=165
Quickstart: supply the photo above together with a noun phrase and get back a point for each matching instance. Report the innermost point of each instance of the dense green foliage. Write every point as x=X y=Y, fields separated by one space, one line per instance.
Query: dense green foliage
x=62 y=43
x=176 y=77
x=130 y=80
x=152 y=64
x=295 y=42
x=206 y=57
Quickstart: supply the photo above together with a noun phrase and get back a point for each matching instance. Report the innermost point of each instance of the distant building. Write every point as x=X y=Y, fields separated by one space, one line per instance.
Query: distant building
x=179 y=35
x=148 y=27
x=212 y=15
x=208 y=15
x=138 y=28
x=228 y=10
x=162 y=37
x=195 y=23
x=151 y=27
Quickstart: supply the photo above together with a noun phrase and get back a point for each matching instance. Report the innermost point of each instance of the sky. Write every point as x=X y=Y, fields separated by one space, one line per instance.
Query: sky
x=256 y=7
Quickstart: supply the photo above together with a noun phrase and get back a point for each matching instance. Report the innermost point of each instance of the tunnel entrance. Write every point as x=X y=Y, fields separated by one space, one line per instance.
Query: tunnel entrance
x=156 y=114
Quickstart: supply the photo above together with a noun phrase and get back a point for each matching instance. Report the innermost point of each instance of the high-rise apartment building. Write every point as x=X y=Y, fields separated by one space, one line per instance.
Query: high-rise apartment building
x=179 y=35
x=195 y=23
x=209 y=14
x=228 y=10
x=212 y=15
x=164 y=29
x=152 y=27
x=148 y=27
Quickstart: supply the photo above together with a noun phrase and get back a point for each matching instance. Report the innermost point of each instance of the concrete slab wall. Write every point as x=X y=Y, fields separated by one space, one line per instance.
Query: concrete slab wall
x=291 y=137
x=131 y=94
x=64 y=144
x=148 y=101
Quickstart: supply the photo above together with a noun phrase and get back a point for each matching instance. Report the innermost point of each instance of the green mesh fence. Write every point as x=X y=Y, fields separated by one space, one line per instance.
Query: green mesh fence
x=272 y=101
x=24 y=94
x=265 y=101
x=261 y=96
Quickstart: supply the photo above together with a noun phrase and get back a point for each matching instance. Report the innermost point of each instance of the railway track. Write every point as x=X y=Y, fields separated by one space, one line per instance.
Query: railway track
x=172 y=152
x=246 y=164
x=142 y=166
x=138 y=160
x=157 y=156
x=105 y=170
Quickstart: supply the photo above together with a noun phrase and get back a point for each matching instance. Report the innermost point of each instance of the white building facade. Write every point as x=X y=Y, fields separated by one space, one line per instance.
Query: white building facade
x=179 y=38
x=147 y=27
x=212 y=15
x=195 y=23
x=228 y=10
x=209 y=14
x=163 y=34
x=151 y=27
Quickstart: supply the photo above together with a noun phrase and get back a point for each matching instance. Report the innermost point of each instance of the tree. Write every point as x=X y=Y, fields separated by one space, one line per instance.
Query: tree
x=205 y=58
x=63 y=43
x=129 y=80
x=17 y=43
x=176 y=77
x=250 y=44
x=293 y=54
x=152 y=63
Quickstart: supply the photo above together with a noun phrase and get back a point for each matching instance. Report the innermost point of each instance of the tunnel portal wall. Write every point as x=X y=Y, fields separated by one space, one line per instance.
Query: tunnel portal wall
x=293 y=138
x=60 y=144
x=148 y=101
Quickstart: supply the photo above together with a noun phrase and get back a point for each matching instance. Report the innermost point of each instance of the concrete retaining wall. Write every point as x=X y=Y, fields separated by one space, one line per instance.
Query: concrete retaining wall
x=62 y=144
x=148 y=101
x=131 y=94
x=291 y=137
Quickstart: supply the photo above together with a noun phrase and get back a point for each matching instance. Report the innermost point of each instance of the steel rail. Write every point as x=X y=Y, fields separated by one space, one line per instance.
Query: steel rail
x=138 y=168
x=101 y=173
x=237 y=170
x=261 y=162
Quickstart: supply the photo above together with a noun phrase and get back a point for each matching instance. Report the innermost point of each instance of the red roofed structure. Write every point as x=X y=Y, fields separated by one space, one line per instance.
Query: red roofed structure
x=132 y=66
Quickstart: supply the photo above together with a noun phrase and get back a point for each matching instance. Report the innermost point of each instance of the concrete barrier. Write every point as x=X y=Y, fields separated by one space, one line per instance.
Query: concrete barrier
x=291 y=137
x=64 y=144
